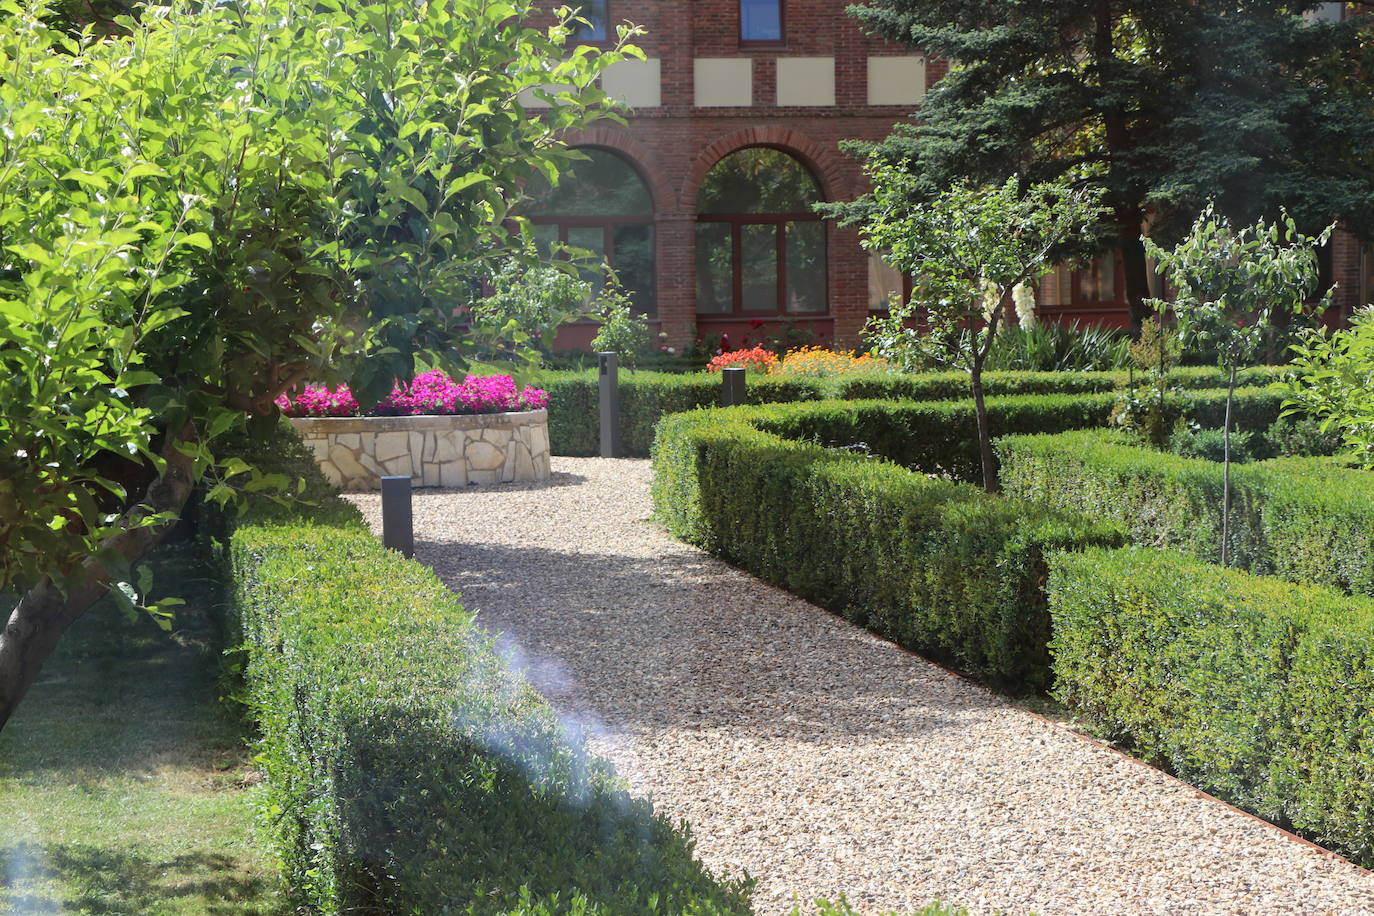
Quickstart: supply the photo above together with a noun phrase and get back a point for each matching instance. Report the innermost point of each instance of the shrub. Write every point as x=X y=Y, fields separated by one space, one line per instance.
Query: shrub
x=1257 y=690
x=646 y=397
x=1043 y=347
x=408 y=769
x=937 y=566
x=1209 y=444
x=1331 y=381
x=1303 y=519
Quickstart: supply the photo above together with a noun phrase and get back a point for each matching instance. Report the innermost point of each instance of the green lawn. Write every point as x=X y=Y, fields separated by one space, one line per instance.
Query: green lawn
x=125 y=782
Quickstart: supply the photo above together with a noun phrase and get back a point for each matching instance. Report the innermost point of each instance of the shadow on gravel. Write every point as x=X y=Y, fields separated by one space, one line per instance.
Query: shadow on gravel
x=647 y=644
x=557 y=479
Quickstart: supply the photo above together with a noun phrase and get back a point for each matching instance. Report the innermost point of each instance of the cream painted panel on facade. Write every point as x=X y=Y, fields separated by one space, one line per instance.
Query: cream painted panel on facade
x=724 y=82
x=896 y=80
x=806 y=81
x=637 y=83
x=530 y=100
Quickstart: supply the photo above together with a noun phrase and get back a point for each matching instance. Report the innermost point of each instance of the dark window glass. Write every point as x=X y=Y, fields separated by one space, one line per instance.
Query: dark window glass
x=760 y=20
x=715 y=269
x=758 y=180
x=594 y=11
x=760 y=248
x=806 y=267
x=601 y=205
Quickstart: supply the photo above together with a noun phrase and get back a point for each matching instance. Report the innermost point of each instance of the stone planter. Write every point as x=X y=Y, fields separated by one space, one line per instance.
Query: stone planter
x=355 y=452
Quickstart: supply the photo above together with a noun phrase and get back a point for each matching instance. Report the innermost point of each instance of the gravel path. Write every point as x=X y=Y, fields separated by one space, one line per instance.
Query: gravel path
x=821 y=759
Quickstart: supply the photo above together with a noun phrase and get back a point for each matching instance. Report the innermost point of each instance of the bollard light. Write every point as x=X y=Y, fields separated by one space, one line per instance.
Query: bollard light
x=732 y=386
x=609 y=376
x=398 y=531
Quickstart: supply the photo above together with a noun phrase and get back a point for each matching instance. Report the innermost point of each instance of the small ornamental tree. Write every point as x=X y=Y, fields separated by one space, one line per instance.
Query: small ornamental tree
x=968 y=249
x=215 y=204
x=1229 y=285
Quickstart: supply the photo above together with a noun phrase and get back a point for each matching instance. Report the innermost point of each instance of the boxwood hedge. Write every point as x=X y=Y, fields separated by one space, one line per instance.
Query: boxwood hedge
x=1258 y=690
x=408 y=769
x=1302 y=519
x=646 y=397
x=934 y=565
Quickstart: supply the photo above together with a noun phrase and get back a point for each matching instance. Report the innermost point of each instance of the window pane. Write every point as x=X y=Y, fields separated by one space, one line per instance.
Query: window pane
x=884 y=281
x=715 y=278
x=758 y=180
x=1098 y=282
x=634 y=262
x=759 y=253
x=601 y=185
x=594 y=11
x=593 y=239
x=806 y=267
x=545 y=237
x=760 y=20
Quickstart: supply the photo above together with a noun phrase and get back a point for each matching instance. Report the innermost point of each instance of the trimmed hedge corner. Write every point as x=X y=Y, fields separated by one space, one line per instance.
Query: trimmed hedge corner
x=408 y=769
x=1257 y=690
x=1302 y=519
x=937 y=566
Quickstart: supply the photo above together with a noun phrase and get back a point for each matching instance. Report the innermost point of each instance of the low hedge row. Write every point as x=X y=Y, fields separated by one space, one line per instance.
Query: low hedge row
x=408 y=770
x=937 y=566
x=1302 y=519
x=646 y=397
x=941 y=437
x=1258 y=690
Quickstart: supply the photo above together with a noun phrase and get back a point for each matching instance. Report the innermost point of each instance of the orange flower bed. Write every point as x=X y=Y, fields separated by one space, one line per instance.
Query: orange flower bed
x=819 y=361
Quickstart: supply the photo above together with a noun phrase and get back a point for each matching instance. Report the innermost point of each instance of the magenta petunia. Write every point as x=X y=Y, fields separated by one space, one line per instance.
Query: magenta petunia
x=429 y=393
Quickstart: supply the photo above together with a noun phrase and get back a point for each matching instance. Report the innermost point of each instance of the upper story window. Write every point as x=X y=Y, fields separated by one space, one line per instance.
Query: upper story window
x=596 y=14
x=760 y=21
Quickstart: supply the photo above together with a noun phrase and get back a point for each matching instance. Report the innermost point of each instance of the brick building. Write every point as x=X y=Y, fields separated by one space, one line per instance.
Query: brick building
x=702 y=202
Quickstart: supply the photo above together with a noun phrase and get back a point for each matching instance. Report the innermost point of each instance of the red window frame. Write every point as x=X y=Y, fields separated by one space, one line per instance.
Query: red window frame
x=737 y=222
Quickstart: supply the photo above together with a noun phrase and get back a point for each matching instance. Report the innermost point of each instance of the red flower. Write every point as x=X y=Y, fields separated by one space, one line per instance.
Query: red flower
x=756 y=323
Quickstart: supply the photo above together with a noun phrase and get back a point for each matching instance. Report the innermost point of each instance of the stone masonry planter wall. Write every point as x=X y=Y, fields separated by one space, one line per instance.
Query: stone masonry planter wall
x=437 y=451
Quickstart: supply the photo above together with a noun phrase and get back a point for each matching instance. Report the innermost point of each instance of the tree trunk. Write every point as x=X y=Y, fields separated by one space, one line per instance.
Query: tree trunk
x=1226 y=470
x=46 y=611
x=980 y=410
x=1134 y=271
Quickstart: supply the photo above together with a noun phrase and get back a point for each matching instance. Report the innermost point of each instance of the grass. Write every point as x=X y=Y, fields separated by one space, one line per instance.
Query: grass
x=124 y=779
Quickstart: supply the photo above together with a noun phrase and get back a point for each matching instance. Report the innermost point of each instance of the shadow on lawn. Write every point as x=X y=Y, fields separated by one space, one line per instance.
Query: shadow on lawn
x=123 y=882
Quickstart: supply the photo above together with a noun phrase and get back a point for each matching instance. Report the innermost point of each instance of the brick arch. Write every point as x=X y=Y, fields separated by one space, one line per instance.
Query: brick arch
x=822 y=161
x=640 y=158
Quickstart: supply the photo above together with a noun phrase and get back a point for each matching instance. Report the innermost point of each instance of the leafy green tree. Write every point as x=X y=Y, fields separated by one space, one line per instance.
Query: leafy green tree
x=221 y=202
x=969 y=248
x=1163 y=104
x=1229 y=283
x=1333 y=381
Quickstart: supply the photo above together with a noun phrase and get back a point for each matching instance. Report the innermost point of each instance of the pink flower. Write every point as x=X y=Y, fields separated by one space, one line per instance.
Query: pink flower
x=429 y=393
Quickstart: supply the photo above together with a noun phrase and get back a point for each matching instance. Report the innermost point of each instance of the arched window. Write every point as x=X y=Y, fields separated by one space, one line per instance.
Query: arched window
x=603 y=206
x=760 y=248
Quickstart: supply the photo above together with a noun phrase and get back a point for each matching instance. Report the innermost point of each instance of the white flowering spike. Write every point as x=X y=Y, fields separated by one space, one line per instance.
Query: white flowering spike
x=1023 y=297
x=992 y=298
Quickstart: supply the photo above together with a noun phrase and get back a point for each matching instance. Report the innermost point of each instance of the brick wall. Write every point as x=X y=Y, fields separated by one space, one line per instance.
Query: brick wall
x=674 y=145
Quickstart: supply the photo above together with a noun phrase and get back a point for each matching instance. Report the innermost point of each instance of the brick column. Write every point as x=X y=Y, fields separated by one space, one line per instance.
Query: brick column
x=676 y=276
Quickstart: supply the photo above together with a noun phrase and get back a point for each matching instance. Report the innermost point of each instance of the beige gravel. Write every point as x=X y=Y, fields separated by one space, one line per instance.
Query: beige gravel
x=822 y=759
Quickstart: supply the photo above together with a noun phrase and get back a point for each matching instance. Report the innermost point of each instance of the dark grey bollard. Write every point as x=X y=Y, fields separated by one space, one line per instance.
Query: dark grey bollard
x=398 y=531
x=610 y=404
x=732 y=386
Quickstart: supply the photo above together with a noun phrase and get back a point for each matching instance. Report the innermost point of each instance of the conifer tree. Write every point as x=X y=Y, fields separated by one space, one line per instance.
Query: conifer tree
x=1259 y=105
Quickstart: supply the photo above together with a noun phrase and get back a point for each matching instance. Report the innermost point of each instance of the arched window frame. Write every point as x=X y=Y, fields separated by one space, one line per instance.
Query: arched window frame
x=737 y=222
